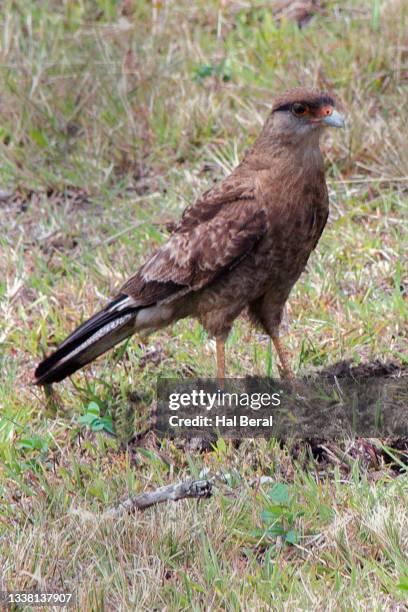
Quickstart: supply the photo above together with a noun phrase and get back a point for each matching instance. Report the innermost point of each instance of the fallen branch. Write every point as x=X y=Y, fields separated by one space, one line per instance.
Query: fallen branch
x=199 y=489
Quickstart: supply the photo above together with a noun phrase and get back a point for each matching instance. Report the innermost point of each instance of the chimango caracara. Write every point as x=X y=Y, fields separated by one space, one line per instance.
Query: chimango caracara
x=241 y=246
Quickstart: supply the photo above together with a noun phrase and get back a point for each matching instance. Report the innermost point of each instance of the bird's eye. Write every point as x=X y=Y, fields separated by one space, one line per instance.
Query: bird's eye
x=299 y=109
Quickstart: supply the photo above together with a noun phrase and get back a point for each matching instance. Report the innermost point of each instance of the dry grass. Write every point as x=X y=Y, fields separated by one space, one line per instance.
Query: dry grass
x=113 y=117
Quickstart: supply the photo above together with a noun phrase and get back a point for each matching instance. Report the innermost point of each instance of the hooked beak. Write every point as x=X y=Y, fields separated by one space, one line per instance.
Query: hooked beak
x=334 y=120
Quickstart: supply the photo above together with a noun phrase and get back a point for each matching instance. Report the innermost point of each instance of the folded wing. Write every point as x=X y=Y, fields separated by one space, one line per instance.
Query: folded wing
x=192 y=259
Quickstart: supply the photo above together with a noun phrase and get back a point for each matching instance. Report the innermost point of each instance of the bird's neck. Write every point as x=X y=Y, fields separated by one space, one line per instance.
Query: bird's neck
x=286 y=154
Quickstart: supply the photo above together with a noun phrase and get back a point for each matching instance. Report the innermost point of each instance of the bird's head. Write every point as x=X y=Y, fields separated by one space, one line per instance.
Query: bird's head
x=301 y=112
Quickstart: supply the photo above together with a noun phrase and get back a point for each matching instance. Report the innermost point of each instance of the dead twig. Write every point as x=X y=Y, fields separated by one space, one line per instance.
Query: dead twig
x=199 y=489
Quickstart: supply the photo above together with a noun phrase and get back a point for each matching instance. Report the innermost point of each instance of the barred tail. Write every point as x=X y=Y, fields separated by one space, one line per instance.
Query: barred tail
x=100 y=333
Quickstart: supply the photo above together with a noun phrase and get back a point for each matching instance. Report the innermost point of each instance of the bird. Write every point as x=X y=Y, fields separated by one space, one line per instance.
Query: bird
x=238 y=248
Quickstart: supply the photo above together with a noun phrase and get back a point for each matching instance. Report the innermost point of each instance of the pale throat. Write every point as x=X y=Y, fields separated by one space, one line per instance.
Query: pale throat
x=309 y=152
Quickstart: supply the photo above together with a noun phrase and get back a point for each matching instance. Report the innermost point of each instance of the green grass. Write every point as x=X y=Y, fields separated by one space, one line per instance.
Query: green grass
x=113 y=117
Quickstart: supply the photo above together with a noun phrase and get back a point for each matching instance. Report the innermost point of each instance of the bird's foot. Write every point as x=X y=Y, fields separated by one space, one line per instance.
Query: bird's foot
x=286 y=373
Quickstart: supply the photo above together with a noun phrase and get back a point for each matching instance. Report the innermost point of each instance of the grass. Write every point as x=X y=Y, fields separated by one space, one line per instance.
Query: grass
x=114 y=116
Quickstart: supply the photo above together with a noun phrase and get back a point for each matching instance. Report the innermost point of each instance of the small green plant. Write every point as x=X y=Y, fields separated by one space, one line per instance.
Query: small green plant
x=222 y=71
x=279 y=516
x=403 y=583
x=33 y=442
x=93 y=419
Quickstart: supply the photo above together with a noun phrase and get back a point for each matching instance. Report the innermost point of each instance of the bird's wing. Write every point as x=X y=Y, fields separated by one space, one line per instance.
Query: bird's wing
x=193 y=258
x=236 y=187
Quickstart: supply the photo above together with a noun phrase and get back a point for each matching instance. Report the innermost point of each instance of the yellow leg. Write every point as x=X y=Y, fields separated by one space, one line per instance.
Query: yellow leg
x=283 y=355
x=220 y=344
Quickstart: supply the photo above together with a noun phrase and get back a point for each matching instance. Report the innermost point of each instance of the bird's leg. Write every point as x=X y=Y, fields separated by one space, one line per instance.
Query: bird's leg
x=220 y=348
x=283 y=355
